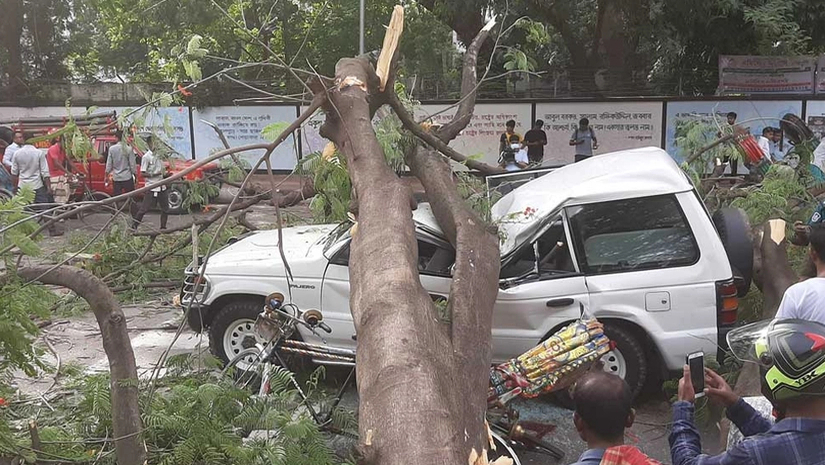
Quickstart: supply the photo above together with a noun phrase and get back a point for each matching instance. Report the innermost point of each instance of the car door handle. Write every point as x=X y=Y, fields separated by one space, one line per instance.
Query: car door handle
x=560 y=302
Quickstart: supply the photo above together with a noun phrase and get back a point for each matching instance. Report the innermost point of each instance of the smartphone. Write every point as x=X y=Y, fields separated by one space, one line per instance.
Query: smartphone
x=696 y=363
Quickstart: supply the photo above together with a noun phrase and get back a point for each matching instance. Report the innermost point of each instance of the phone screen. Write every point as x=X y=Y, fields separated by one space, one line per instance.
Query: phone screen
x=696 y=362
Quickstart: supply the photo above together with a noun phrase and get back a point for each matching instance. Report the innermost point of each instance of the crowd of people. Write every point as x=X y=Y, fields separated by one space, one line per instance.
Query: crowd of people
x=48 y=173
x=518 y=153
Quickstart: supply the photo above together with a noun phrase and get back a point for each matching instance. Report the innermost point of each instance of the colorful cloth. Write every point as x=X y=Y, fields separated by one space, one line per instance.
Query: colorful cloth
x=552 y=365
x=626 y=455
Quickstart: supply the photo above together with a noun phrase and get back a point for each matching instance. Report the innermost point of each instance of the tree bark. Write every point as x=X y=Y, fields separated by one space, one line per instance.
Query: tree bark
x=126 y=422
x=773 y=275
x=11 y=32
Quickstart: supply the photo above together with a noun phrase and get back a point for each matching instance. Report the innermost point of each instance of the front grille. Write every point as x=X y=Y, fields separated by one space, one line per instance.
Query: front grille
x=189 y=292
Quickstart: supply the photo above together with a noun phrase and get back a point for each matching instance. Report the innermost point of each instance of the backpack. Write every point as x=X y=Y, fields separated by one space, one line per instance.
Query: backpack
x=576 y=134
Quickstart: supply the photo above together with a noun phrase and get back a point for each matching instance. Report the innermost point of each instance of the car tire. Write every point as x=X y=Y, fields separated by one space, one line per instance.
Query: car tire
x=233 y=329
x=628 y=359
x=734 y=231
x=175 y=199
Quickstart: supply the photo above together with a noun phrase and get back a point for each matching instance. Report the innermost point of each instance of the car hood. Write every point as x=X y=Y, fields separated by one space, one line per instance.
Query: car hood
x=259 y=252
x=628 y=174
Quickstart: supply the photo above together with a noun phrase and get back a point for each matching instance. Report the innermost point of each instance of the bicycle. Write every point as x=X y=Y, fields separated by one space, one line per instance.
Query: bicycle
x=253 y=366
x=77 y=182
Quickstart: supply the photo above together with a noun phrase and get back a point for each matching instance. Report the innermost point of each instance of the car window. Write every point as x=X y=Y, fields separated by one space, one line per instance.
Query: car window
x=434 y=257
x=550 y=254
x=635 y=234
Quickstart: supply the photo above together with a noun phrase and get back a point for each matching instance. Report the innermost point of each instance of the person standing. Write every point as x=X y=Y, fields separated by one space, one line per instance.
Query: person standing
x=16 y=144
x=584 y=139
x=153 y=170
x=120 y=165
x=806 y=300
x=509 y=131
x=732 y=129
x=764 y=141
x=59 y=167
x=30 y=169
x=535 y=140
x=779 y=147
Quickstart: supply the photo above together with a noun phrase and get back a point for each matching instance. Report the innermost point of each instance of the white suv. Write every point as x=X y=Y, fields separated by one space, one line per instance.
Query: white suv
x=624 y=235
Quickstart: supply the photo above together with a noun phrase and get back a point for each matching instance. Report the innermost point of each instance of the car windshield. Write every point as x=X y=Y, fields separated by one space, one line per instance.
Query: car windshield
x=338 y=234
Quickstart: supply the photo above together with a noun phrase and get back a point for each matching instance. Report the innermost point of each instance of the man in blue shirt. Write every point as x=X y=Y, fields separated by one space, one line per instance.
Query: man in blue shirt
x=791 y=356
x=603 y=411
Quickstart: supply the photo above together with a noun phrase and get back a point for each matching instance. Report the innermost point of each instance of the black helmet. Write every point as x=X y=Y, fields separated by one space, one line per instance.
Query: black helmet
x=790 y=354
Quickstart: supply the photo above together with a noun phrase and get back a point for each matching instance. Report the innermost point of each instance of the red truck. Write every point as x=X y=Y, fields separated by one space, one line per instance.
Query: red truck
x=100 y=128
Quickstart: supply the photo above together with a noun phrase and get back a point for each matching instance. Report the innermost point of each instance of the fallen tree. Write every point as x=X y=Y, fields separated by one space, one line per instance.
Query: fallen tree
x=422 y=381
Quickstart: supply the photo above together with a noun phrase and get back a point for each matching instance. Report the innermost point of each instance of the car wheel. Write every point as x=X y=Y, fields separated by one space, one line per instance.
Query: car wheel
x=233 y=329
x=734 y=231
x=627 y=361
x=175 y=198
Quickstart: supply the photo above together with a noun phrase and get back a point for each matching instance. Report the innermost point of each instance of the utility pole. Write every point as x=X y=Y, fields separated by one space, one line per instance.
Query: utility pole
x=361 y=42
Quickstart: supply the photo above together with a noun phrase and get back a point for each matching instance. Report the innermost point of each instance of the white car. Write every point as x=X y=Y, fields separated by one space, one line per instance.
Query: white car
x=623 y=235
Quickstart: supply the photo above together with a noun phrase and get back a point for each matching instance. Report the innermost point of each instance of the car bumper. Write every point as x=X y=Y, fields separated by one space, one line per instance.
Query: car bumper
x=196 y=316
x=722 y=343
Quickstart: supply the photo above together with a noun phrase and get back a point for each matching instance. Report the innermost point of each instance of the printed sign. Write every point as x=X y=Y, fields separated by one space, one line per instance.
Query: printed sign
x=480 y=139
x=243 y=126
x=750 y=115
x=171 y=124
x=617 y=126
x=739 y=74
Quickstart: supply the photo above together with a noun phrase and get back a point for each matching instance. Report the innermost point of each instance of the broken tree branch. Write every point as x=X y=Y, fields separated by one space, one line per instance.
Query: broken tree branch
x=469 y=86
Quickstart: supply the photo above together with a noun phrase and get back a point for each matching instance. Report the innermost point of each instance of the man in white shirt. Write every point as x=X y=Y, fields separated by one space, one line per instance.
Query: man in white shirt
x=30 y=168
x=765 y=142
x=16 y=144
x=153 y=170
x=806 y=300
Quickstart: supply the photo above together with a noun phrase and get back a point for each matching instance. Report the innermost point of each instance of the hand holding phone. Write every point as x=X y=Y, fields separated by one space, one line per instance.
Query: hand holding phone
x=696 y=363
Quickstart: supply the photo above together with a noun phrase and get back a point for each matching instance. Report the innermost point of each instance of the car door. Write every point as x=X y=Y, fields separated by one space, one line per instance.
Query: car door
x=642 y=263
x=541 y=288
x=435 y=259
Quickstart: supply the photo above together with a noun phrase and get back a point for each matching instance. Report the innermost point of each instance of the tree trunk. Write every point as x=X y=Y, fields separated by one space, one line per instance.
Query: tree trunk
x=422 y=382
x=773 y=275
x=11 y=31
x=126 y=421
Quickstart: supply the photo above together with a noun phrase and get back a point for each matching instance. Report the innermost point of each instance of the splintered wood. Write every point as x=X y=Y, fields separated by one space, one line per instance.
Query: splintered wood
x=391 y=39
x=481 y=459
x=777 y=228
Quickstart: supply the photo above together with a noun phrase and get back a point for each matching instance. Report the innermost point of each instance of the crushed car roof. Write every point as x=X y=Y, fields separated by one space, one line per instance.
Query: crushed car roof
x=631 y=173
